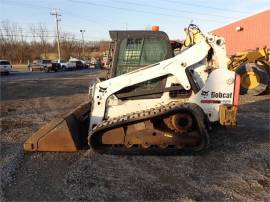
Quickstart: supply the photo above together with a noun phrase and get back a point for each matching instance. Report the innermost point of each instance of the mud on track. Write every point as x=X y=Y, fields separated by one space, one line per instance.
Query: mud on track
x=236 y=167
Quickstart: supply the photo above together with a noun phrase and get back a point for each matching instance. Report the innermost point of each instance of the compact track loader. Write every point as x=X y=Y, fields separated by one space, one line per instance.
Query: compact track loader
x=154 y=101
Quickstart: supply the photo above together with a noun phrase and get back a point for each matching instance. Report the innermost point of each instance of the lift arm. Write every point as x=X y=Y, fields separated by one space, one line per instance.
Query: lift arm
x=174 y=66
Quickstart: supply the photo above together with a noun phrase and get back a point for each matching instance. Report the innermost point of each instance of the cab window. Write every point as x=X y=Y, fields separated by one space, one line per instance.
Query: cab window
x=136 y=53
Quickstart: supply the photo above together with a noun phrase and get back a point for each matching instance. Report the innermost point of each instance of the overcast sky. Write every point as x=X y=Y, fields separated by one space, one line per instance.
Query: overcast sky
x=97 y=17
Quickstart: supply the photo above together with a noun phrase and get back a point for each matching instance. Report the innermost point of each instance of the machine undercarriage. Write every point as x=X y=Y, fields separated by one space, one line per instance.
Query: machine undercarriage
x=169 y=129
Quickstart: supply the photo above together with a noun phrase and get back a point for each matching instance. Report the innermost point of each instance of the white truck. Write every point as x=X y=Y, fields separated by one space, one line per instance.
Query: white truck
x=5 y=67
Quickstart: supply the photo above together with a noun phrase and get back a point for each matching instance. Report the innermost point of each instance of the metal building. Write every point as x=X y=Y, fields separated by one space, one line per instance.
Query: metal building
x=247 y=34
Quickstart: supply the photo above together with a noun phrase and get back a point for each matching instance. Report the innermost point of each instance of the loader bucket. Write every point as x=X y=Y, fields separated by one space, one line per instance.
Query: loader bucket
x=67 y=134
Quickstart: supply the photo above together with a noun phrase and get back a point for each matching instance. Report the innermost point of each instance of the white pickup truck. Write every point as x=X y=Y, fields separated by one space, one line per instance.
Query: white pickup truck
x=5 y=67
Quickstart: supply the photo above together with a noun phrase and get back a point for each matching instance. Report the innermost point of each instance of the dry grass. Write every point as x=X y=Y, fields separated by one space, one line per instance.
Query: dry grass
x=20 y=67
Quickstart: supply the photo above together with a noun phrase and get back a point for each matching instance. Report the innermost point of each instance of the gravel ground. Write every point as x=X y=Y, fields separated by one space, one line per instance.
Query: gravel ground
x=27 y=102
x=236 y=166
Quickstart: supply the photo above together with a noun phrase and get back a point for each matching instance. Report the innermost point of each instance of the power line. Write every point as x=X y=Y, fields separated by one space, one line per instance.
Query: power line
x=86 y=19
x=49 y=8
x=208 y=7
x=140 y=11
x=17 y=32
x=27 y=32
x=172 y=9
x=10 y=2
x=50 y=36
x=69 y=13
x=26 y=36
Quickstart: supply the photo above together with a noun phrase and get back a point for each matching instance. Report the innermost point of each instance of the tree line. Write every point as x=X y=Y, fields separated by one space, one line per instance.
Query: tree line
x=21 y=46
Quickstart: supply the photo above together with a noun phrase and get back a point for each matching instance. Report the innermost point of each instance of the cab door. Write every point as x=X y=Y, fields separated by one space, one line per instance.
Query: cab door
x=136 y=49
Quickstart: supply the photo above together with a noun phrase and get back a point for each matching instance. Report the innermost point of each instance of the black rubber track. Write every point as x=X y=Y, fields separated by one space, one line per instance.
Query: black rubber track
x=172 y=108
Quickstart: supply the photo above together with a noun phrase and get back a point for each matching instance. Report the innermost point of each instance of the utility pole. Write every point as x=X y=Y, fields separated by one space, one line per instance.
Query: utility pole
x=82 y=31
x=57 y=19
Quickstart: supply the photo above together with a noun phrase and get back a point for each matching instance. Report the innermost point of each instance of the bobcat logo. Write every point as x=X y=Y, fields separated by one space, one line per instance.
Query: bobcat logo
x=102 y=90
x=204 y=93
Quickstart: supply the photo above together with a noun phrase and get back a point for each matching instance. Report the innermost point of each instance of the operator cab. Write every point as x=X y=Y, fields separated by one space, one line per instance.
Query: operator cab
x=136 y=49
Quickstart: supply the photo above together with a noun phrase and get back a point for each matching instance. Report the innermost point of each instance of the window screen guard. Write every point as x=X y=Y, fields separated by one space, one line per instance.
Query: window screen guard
x=139 y=52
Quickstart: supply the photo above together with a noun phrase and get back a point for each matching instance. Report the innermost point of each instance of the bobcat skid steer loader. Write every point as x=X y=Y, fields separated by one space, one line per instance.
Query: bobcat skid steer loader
x=153 y=102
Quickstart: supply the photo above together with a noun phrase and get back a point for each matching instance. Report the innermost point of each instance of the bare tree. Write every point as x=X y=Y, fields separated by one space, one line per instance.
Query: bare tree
x=19 y=47
x=13 y=41
x=33 y=31
x=43 y=37
x=70 y=46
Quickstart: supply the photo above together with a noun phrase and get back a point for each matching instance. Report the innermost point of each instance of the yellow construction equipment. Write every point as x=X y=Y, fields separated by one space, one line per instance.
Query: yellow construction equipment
x=253 y=67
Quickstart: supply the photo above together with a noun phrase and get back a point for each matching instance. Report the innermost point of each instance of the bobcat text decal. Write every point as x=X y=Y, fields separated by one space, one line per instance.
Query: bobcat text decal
x=221 y=95
x=224 y=98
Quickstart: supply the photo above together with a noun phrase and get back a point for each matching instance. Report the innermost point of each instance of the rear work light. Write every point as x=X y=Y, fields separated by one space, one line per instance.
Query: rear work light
x=155 y=28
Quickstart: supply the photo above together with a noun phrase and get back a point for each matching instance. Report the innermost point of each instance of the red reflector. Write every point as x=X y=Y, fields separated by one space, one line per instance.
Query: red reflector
x=236 y=90
x=210 y=101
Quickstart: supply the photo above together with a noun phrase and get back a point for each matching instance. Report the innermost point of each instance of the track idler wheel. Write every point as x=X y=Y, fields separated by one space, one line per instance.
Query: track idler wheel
x=146 y=145
x=163 y=145
x=128 y=145
x=181 y=122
